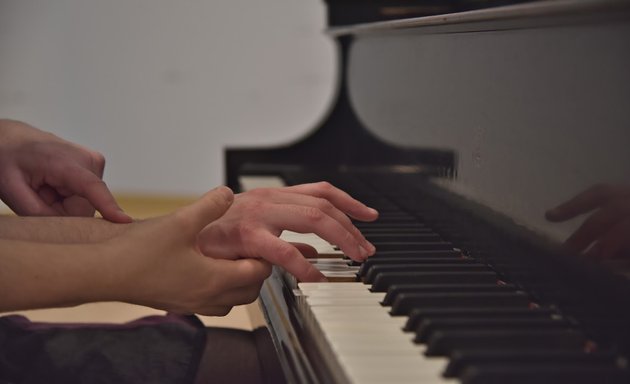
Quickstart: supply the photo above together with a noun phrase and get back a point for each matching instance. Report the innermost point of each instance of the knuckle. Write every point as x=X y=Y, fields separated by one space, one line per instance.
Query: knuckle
x=324 y=187
x=313 y=214
x=324 y=205
x=96 y=184
x=58 y=165
x=97 y=159
x=254 y=208
x=284 y=252
x=245 y=230
x=348 y=238
x=306 y=269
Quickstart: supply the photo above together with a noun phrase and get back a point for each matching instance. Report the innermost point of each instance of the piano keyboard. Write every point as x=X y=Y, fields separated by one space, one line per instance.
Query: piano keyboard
x=423 y=311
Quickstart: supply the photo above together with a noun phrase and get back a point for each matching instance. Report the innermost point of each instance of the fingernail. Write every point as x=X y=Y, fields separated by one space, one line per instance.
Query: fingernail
x=363 y=252
x=226 y=192
x=373 y=211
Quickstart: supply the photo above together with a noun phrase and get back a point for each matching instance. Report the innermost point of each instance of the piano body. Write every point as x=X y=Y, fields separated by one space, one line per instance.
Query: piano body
x=462 y=122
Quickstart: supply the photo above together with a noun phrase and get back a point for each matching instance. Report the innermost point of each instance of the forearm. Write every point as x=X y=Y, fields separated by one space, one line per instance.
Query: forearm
x=41 y=275
x=59 y=230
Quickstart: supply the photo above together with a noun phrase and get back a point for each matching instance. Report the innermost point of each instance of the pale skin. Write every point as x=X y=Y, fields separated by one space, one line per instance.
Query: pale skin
x=156 y=263
x=47 y=186
x=159 y=262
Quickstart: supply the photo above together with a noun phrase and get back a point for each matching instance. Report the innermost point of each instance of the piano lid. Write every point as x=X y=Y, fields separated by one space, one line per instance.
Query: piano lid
x=535 y=107
x=352 y=12
x=520 y=107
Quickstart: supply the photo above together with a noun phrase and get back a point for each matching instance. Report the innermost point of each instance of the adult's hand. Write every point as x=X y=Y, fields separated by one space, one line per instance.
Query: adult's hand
x=164 y=268
x=154 y=262
x=606 y=232
x=44 y=175
x=251 y=228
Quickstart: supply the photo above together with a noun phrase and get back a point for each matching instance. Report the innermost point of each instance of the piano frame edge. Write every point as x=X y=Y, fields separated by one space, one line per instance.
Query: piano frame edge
x=300 y=354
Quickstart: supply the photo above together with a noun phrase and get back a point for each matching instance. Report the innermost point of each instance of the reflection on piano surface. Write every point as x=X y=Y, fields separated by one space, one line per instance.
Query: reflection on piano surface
x=462 y=129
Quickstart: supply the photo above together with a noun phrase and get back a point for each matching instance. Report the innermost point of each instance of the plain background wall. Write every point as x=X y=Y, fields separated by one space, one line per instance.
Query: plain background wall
x=160 y=87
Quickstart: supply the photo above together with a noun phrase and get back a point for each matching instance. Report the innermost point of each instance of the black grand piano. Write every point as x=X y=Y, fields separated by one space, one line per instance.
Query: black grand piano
x=462 y=122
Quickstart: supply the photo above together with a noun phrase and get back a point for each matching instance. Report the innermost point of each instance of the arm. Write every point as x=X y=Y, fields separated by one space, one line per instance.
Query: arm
x=44 y=175
x=59 y=230
x=606 y=232
x=250 y=229
x=155 y=263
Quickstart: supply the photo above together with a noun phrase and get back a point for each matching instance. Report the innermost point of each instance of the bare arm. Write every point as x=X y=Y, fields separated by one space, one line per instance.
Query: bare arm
x=59 y=230
x=156 y=263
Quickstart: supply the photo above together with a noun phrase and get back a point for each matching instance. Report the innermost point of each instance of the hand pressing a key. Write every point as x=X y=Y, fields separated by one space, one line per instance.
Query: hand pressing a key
x=606 y=232
x=44 y=175
x=154 y=262
x=251 y=228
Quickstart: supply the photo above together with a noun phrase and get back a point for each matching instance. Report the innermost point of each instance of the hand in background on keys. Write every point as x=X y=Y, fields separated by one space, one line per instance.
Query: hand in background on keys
x=44 y=175
x=606 y=232
x=155 y=262
x=252 y=226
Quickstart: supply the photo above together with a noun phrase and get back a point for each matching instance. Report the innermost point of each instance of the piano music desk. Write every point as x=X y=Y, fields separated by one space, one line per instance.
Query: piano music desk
x=247 y=317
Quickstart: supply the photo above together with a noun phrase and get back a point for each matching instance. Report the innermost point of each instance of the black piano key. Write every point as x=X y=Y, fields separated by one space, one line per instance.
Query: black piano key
x=396 y=290
x=411 y=267
x=412 y=246
x=543 y=374
x=417 y=253
x=372 y=261
x=384 y=280
x=403 y=237
x=366 y=230
x=443 y=343
x=419 y=314
x=406 y=302
x=394 y=225
x=460 y=360
x=428 y=326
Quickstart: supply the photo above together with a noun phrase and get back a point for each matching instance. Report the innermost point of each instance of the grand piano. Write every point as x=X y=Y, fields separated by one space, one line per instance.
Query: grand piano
x=462 y=122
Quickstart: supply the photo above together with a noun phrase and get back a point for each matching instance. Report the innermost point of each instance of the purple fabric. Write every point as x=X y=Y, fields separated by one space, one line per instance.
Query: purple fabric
x=155 y=349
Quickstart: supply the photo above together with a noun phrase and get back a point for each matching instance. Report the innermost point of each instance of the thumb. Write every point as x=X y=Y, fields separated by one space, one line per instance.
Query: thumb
x=208 y=208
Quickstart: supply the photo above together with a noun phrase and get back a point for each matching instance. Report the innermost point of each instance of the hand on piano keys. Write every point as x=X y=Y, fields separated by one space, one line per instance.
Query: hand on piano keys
x=606 y=232
x=252 y=226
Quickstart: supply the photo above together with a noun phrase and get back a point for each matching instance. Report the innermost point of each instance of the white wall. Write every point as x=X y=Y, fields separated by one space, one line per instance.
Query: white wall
x=162 y=86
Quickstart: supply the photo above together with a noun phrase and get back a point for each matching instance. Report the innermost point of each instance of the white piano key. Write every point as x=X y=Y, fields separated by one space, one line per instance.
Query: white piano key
x=322 y=246
x=344 y=295
x=343 y=301
x=368 y=342
x=307 y=287
x=252 y=182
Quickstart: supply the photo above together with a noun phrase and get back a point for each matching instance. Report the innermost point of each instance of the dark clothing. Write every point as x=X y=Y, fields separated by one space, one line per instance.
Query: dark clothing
x=155 y=349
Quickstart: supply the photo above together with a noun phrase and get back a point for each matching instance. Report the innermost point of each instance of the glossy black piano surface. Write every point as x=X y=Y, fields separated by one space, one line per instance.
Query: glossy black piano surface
x=462 y=131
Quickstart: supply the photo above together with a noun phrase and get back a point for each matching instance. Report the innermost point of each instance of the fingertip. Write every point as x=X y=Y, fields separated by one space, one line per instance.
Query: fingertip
x=123 y=218
x=226 y=192
x=313 y=277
